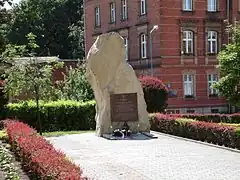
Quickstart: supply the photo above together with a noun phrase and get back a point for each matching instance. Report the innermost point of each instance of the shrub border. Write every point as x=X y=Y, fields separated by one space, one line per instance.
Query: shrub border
x=29 y=147
x=225 y=136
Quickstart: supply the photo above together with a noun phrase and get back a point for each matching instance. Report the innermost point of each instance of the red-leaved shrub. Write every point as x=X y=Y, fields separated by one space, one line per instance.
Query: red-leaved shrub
x=155 y=93
x=38 y=155
x=217 y=118
x=226 y=135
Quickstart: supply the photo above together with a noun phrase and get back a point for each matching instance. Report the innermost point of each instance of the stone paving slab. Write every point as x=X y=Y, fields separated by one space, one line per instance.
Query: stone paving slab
x=165 y=158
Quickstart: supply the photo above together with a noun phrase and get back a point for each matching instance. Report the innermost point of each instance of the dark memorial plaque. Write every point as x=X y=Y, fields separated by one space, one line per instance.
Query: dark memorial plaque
x=124 y=107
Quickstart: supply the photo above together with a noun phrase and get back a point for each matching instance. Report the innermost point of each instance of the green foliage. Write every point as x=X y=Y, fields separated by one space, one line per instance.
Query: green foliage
x=7 y=166
x=55 y=115
x=4 y=19
x=229 y=65
x=28 y=77
x=58 y=25
x=75 y=85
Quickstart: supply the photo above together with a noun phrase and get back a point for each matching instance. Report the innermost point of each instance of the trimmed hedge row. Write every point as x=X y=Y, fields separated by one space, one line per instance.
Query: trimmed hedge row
x=216 y=118
x=38 y=156
x=226 y=135
x=55 y=116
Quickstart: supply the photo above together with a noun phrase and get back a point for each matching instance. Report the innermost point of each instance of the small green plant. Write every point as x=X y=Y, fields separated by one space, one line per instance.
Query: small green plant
x=7 y=166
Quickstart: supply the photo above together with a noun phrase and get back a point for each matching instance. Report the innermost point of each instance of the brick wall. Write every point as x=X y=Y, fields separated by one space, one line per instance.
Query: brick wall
x=169 y=63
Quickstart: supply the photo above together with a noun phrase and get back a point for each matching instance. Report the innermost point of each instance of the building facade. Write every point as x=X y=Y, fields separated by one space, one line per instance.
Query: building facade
x=180 y=37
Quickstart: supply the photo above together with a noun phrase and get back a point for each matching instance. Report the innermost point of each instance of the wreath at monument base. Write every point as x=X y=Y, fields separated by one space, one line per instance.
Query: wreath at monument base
x=123 y=132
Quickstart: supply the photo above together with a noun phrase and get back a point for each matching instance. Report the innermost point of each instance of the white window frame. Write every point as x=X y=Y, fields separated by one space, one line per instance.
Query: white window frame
x=188 y=40
x=212 y=79
x=143 y=41
x=143 y=5
x=211 y=40
x=125 y=39
x=97 y=16
x=112 y=12
x=187 y=5
x=188 y=83
x=212 y=5
x=124 y=13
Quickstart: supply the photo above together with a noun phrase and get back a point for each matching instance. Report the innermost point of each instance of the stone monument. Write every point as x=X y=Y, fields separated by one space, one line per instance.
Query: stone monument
x=118 y=92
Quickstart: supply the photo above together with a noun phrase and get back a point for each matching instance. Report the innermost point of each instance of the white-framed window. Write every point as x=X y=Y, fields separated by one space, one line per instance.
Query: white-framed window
x=187 y=5
x=212 y=42
x=97 y=16
x=143 y=41
x=143 y=10
x=188 y=84
x=187 y=42
x=212 y=5
x=112 y=12
x=124 y=9
x=126 y=47
x=212 y=79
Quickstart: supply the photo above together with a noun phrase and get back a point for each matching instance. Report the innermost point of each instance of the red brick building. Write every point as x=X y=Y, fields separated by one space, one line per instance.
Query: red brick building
x=190 y=33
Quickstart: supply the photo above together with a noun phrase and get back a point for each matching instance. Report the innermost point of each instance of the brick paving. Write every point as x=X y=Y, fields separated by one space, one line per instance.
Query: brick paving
x=165 y=158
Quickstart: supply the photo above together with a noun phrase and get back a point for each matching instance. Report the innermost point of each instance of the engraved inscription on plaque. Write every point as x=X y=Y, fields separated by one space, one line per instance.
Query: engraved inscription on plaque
x=124 y=107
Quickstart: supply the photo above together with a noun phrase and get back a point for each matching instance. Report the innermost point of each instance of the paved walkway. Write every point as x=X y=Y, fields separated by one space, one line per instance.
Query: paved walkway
x=165 y=158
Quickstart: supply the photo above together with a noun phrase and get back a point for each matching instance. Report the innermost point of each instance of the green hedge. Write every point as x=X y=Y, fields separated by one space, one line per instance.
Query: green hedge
x=55 y=116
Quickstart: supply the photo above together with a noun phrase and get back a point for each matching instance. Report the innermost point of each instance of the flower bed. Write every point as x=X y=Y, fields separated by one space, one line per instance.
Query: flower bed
x=38 y=156
x=226 y=135
x=7 y=165
x=216 y=118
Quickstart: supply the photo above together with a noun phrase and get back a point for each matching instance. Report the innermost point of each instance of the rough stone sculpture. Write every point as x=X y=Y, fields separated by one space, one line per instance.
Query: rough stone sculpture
x=108 y=72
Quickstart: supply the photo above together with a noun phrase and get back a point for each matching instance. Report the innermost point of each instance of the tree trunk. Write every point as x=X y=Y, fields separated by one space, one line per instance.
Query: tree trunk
x=38 y=110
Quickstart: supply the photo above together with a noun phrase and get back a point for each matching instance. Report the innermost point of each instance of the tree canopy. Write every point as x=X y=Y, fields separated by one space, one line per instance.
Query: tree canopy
x=4 y=18
x=58 y=25
x=229 y=65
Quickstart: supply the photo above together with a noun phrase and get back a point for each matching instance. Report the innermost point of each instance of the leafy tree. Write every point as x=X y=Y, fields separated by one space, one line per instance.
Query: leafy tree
x=229 y=65
x=75 y=85
x=30 y=77
x=58 y=25
x=4 y=18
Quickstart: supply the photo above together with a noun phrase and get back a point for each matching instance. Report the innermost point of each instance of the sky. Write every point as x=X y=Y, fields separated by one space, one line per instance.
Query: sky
x=14 y=1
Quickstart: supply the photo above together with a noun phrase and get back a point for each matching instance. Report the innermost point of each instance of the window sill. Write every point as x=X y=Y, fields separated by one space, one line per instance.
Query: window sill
x=212 y=12
x=97 y=27
x=123 y=20
x=212 y=96
x=188 y=56
x=189 y=97
x=187 y=11
x=112 y=23
x=142 y=15
x=212 y=54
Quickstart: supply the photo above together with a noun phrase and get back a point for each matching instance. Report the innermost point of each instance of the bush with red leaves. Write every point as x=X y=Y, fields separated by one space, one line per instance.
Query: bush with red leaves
x=216 y=118
x=38 y=156
x=155 y=93
x=226 y=135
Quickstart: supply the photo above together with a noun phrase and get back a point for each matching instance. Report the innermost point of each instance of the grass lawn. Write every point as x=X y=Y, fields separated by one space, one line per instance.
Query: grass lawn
x=62 y=133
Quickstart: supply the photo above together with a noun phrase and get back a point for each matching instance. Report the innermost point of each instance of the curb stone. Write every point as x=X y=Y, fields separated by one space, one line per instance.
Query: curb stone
x=198 y=142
